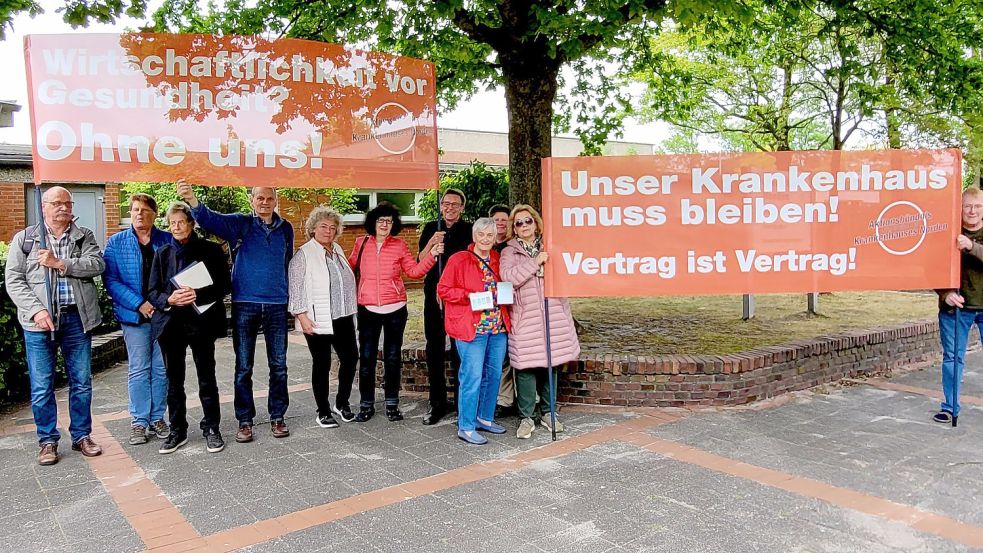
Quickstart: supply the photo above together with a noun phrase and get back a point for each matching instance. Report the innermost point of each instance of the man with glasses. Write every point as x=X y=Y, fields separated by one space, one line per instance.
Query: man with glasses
x=455 y=234
x=960 y=309
x=64 y=319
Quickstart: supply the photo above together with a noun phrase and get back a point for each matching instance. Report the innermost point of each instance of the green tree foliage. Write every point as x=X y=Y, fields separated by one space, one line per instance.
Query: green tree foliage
x=531 y=47
x=807 y=76
x=482 y=185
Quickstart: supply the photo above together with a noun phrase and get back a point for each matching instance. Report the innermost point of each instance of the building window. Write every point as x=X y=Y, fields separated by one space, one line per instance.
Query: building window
x=405 y=201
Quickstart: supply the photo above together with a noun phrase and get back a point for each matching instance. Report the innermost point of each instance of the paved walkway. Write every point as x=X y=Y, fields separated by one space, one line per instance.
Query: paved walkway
x=854 y=468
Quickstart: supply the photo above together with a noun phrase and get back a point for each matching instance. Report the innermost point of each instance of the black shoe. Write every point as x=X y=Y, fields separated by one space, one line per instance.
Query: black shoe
x=502 y=411
x=364 y=414
x=944 y=417
x=344 y=413
x=213 y=441
x=434 y=414
x=327 y=421
x=173 y=441
x=393 y=414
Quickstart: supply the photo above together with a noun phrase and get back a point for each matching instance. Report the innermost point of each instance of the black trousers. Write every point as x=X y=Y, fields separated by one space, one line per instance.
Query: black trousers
x=343 y=342
x=174 y=343
x=433 y=329
x=370 y=326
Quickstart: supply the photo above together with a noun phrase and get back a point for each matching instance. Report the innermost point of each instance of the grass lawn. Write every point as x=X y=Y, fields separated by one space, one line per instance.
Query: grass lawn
x=713 y=325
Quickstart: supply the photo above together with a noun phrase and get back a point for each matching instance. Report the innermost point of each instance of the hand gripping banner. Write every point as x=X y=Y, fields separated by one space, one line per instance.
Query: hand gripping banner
x=230 y=110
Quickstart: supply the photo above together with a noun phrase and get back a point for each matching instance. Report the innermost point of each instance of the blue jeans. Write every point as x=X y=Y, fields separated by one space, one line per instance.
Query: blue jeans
x=146 y=378
x=953 y=333
x=479 y=377
x=247 y=320
x=76 y=348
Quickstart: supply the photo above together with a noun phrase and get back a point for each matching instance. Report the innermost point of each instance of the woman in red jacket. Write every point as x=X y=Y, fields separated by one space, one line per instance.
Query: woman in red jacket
x=379 y=258
x=477 y=322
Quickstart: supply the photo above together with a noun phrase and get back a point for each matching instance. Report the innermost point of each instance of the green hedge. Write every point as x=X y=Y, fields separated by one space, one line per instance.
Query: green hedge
x=14 y=383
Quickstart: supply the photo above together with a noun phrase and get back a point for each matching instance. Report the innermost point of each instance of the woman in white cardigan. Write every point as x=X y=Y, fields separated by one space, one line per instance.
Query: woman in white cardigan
x=323 y=301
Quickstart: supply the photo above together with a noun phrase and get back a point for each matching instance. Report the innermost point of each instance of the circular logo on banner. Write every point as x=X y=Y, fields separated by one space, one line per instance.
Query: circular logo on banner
x=904 y=225
x=393 y=128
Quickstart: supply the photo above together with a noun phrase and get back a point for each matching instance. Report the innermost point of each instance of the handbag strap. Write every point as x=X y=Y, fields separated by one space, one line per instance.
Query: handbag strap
x=485 y=263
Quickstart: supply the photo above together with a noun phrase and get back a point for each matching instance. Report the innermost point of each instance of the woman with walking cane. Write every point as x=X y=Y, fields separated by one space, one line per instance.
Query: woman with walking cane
x=530 y=354
x=960 y=309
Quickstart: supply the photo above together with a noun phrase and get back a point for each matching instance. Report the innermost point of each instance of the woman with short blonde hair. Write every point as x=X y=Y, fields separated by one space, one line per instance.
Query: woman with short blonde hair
x=522 y=264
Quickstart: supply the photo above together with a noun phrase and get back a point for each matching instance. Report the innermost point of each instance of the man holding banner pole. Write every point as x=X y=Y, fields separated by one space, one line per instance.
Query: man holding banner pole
x=960 y=309
x=57 y=311
x=263 y=246
x=455 y=234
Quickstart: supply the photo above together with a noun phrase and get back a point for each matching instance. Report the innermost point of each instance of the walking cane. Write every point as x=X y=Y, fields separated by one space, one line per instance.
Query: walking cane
x=549 y=369
x=956 y=377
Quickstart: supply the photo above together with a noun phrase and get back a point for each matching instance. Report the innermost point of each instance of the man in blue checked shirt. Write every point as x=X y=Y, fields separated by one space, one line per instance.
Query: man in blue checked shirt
x=64 y=320
x=129 y=256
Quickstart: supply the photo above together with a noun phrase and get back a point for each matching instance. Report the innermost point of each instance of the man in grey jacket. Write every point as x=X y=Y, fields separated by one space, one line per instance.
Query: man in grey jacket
x=64 y=319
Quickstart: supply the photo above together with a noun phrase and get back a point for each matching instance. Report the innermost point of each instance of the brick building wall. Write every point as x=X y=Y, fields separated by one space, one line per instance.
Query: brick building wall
x=12 y=215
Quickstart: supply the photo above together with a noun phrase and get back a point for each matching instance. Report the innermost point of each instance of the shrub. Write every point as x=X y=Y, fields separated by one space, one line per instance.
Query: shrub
x=483 y=186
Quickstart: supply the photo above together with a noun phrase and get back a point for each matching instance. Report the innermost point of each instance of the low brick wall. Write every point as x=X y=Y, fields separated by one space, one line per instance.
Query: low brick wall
x=605 y=378
x=107 y=350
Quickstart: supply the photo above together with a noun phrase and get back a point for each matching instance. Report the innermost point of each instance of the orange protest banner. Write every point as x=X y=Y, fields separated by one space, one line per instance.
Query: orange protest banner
x=229 y=110
x=751 y=223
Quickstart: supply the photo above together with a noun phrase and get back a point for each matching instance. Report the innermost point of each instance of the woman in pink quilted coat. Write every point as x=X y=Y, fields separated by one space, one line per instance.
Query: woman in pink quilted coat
x=522 y=264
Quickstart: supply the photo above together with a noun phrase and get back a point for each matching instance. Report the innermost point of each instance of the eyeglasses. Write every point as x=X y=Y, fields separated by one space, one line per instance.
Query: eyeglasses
x=68 y=204
x=524 y=222
x=451 y=204
x=977 y=207
x=384 y=221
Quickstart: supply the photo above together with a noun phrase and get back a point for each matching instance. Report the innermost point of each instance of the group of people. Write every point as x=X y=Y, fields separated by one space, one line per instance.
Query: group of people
x=483 y=287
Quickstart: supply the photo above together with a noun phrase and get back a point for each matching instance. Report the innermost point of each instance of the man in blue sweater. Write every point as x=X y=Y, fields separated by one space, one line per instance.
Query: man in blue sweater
x=129 y=255
x=263 y=244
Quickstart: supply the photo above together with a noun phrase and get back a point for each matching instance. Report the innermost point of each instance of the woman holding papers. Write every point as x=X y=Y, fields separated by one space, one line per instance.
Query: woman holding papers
x=189 y=279
x=322 y=299
x=479 y=323
x=522 y=265
x=381 y=259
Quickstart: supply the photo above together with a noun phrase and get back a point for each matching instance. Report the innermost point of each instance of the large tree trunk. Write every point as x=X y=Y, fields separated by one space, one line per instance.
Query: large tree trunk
x=529 y=93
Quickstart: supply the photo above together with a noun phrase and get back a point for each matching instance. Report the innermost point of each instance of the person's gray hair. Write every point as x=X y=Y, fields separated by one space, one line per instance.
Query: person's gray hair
x=179 y=207
x=252 y=190
x=485 y=223
x=319 y=214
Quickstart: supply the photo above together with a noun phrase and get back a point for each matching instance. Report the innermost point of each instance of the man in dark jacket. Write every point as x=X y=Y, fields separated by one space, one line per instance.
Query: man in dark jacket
x=455 y=234
x=184 y=317
x=263 y=243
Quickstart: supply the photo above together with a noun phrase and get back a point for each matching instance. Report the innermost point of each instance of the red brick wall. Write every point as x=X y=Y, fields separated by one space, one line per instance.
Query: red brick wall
x=12 y=215
x=606 y=378
x=111 y=205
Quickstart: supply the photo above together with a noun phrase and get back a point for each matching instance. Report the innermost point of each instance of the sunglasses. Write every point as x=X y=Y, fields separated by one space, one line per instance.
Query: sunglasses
x=524 y=222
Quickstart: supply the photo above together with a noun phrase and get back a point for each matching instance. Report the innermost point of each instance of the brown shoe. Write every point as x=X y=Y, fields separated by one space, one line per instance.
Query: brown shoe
x=48 y=454
x=245 y=434
x=87 y=447
x=279 y=429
